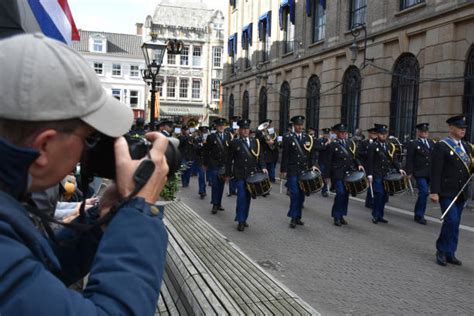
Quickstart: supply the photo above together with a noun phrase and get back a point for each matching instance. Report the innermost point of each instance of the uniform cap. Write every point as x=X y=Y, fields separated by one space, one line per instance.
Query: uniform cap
x=381 y=128
x=219 y=121
x=298 y=119
x=245 y=123
x=340 y=127
x=423 y=127
x=458 y=121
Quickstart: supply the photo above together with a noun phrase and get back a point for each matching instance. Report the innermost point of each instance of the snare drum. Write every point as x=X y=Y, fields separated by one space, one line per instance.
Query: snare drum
x=395 y=183
x=258 y=184
x=356 y=183
x=310 y=182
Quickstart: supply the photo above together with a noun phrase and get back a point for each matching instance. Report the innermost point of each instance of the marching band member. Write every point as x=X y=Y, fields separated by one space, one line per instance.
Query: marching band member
x=298 y=156
x=199 y=143
x=322 y=147
x=244 y=159
x=186 y=147
x=216 y=148
x=363 y=155
x=450 y=170
x=269 y=150
x=418 y=166
x=379 y=164
x=342 y=159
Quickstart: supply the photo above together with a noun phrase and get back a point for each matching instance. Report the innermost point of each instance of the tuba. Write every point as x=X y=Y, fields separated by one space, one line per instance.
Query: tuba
x=269 y=137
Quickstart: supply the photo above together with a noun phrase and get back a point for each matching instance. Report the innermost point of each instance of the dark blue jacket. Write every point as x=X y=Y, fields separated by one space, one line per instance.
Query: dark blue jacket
x=126 y=262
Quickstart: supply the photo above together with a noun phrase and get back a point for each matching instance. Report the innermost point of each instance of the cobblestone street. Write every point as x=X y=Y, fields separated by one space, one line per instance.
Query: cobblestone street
x=357 y=269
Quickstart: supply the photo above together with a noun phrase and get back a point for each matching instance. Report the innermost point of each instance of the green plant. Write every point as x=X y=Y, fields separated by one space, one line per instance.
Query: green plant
x=171 y=188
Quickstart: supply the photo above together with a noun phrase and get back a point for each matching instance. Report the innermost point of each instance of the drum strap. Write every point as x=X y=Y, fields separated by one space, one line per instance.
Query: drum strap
x=344 y=150
x=221 y=145
x=247 y=151
x=459 y=152
x=298 y=145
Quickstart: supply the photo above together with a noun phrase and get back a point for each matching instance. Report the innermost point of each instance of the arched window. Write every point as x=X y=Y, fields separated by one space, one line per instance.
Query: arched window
x=284 y=107
x=262 y=105
x=350 y=107
x=404 y=102
x=245 y=105
x=312 y=102
x=468 y=99
x=231 y=106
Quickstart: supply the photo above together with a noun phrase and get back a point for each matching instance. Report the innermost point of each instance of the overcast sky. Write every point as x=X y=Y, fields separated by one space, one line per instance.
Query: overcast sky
x=119 y=16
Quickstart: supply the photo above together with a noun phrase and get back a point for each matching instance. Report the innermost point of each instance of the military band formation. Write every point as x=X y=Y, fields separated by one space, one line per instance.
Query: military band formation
x=378 y=166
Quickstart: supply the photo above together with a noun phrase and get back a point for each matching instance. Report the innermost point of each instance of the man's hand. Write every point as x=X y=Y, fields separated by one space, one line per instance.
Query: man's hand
x=125 y=168
x=265 y=171
x=371 y=179
x=402 y=172
x=282 y=175
x=226 y=179
x=361 y=168
x=409 y=176
x=314 y=168
x=434 y=197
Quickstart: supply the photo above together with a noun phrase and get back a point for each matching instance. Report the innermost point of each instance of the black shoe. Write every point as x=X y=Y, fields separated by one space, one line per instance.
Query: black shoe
x=245 y=224
x=383 y=220
x=337 y=222
x=293 y=223
x=374 y=220
x=203 y=195
x=298 y=221
x=229 y=194
x=454 y=260
x=324 y=194
x=220 y=208
x=441 y=259
x=241 y=227
x=343 y=221
x=420 y=220
x=214 y=209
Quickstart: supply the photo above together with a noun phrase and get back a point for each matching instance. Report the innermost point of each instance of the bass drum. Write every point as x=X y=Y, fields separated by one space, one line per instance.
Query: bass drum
x=395 y=183
x=258 y=184
x=310 y=182
x=356 y=183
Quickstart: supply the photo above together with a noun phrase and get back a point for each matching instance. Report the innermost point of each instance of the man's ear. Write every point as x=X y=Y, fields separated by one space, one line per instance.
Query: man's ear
x=41 y=143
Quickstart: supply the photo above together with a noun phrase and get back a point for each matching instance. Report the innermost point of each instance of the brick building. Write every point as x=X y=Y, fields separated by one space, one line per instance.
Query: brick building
x=290 y=57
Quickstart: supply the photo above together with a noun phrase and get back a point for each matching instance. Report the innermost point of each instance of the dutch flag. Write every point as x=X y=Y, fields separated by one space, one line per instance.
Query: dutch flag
x=52 y=17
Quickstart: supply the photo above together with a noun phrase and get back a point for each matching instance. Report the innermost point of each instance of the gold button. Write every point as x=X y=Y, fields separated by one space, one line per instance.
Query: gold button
x=154 y=210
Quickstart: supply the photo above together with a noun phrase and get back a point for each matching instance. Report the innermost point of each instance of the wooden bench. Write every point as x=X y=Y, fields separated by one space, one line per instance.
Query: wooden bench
x=207 y=275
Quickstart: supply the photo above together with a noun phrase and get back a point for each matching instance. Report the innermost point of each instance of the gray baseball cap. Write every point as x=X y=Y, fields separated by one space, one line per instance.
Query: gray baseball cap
x=42 y=79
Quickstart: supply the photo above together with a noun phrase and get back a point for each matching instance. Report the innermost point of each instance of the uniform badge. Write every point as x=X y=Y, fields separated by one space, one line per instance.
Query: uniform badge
x=293 y=143
x=238 y=148
x=337 y=149
x=418 y=147
x=376 y=149
x=451 y=153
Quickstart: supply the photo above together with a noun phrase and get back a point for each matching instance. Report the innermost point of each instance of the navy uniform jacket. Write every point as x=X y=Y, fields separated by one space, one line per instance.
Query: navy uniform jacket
x=448 y=172
x=199 y=150
x=341 y=160
x=323 y=150
x=239 y=163
x=363 y=151
x=418 y=161
x=215 y=155
x=293 y=162
x=186 y=147
x=379 y=163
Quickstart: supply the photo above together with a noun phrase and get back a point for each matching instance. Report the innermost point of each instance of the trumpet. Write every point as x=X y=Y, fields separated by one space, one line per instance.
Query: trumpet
x=269 y=137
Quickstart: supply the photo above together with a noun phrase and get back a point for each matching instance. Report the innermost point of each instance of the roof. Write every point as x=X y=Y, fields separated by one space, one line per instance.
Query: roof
x=126 y=45
x=185 y=13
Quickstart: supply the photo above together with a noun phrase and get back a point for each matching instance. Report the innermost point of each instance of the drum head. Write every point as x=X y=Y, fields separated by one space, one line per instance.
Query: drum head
x=309 y=175
x=257 y=177
x=393 y=177
x=354 y=176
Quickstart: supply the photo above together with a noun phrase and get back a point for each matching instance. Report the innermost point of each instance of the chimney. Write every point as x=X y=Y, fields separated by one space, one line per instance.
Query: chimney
x=139 y=28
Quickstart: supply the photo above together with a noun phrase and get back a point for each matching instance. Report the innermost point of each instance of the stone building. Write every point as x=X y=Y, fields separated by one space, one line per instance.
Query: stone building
x=290 y=57
x=117 y=60
x=191 y=82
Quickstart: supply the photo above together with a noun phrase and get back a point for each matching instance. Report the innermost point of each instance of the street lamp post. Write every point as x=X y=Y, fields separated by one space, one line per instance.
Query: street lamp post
x=355 y=31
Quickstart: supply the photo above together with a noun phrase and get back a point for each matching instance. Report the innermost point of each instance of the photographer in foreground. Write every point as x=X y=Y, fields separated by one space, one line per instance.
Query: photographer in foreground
x=51 y=109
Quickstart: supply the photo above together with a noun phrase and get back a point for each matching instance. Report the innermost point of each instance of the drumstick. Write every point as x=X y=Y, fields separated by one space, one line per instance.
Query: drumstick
x=281 y=185
x=371 y=189
x=411 y=187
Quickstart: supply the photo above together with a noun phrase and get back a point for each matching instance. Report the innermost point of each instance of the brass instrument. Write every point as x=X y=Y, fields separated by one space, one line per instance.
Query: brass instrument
x=269 y=138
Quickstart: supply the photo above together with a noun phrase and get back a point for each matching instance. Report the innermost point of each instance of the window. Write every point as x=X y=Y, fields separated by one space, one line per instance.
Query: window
x=357 y=13
x=284 y=107
x=266 y=48
x=134 y=71
x=216 y=89
x=231 y=106
x=117 y=93
x=351 y=85
x=117 y=70
x=197 y=56
x=405 y=4
x=264 y=33
x=171 y=59
x=196 y=93
x=99 y=68
x=217 y=57
x=468 y=99
x=183 y=88
x=98 y=45
x=288 y=33
x=262 y=105
x=245 y=105
x=159 y=86
x=184 y=58
x=133 y=98
x=319 y=21
x=404 y=102
x=171 y=88
x=312 y=102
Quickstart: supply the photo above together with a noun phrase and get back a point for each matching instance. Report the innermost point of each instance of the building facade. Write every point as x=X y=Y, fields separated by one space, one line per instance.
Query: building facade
x=191 y=82
x=288 y=57
x=117 y=60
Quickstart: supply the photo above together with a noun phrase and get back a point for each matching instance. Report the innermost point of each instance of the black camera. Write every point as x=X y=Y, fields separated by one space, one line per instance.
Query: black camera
x=99 y=161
